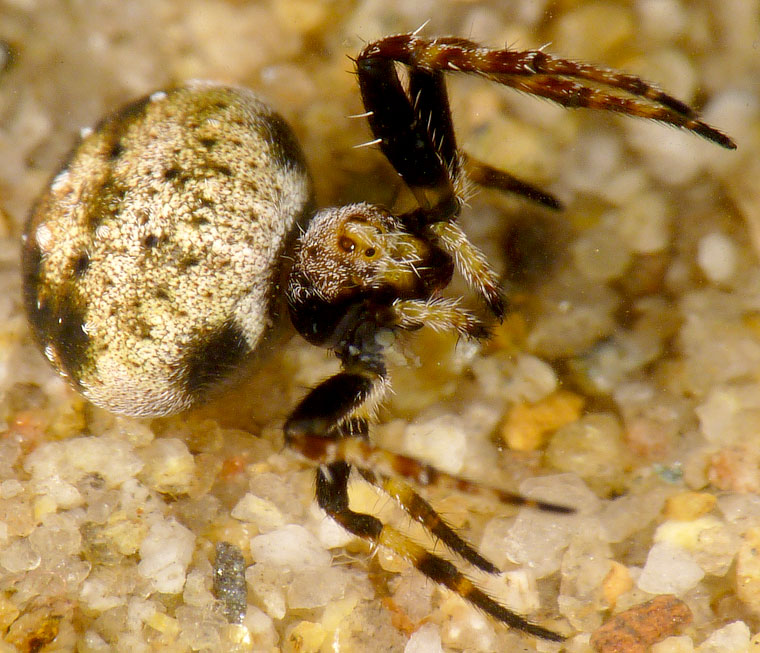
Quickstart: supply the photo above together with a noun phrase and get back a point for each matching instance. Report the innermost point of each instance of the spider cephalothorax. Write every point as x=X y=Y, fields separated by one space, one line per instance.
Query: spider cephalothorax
x=153 y=264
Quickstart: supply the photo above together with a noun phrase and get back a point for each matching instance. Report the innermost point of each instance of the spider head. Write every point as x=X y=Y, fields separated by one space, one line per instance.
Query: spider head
x=358 y=255
x=343 y=251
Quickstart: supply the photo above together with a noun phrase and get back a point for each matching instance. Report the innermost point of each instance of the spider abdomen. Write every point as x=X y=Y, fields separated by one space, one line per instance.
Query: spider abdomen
x=152 y=264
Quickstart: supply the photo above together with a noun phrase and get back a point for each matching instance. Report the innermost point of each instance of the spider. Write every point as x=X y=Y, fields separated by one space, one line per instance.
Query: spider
x=153 y=264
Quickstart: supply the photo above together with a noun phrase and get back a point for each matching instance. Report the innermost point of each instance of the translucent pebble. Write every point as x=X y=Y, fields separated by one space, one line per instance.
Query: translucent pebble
x=58 y=535
x=100 y=508
x=523 y=378
x=19 y=556
x=63 y=494
x=261 y=628
x=716 y=341
x=532 y=379
x=73 y=459
x=591 y=447
x=717 y=257
x=10 y=450
x=426 y=639
x=94 y=643
x=291 y=546
x=585 y=565
x=661 y=19
x=316 y=588
x=669 y=570
x=136 y=432
x=731 y=413
x=736 y=110
x=710 y=543
x=748 y=570
x=589 y=168
x=199 y=628
x=465 y=629
x=139 y=612
x=10 y=488
x=742 y=510
x=517 y=589
x=596 y=259
x=573 y=317
x=169 y=466
x=163 y=623
x=44 y=505
x=672 y=156
x=733 y=638
x=98 y=595
x=442 y=441
x=280 y=491
x=261 y=512
x=611 y=24
x=165 y=553
x=266 y=583
x=538 y=539
x=677 y=644
x=330 y=533
x=197 y=590
x=413 y=594
x=644 y=223
x=133 y=496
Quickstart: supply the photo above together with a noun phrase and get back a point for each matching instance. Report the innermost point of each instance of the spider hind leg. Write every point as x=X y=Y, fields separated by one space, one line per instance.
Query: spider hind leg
x=332 y=497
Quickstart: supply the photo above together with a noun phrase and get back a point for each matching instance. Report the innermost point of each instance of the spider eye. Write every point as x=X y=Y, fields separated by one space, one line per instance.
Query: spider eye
x=369 y=252
x=346 y=244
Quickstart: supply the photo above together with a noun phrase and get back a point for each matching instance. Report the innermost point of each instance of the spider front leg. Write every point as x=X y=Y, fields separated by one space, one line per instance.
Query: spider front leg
x=415 y=132
x=569 y=83
x=414 y=129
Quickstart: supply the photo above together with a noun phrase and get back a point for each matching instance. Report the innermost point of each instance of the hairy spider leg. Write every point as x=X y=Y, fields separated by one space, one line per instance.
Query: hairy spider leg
x=359 y=386
x=417 y=136
x=329 y=450
x=357 y=451
x=332 y=497
x=384 y=469
x=569 y=83
x=489 y=177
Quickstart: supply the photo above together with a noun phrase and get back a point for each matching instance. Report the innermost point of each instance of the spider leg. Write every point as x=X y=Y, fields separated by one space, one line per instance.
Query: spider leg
x=407 y=129
x=439 y=314
x=569 y=83
x=360 y=453
x=488 y=177
x=421 y=511
x=332 y=497
x=472 y=264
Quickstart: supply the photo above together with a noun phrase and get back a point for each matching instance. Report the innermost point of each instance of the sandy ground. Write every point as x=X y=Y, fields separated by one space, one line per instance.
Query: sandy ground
x=623 y=382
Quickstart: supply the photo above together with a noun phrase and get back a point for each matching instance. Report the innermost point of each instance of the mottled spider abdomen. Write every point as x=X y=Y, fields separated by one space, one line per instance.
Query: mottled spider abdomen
x=152 y=263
